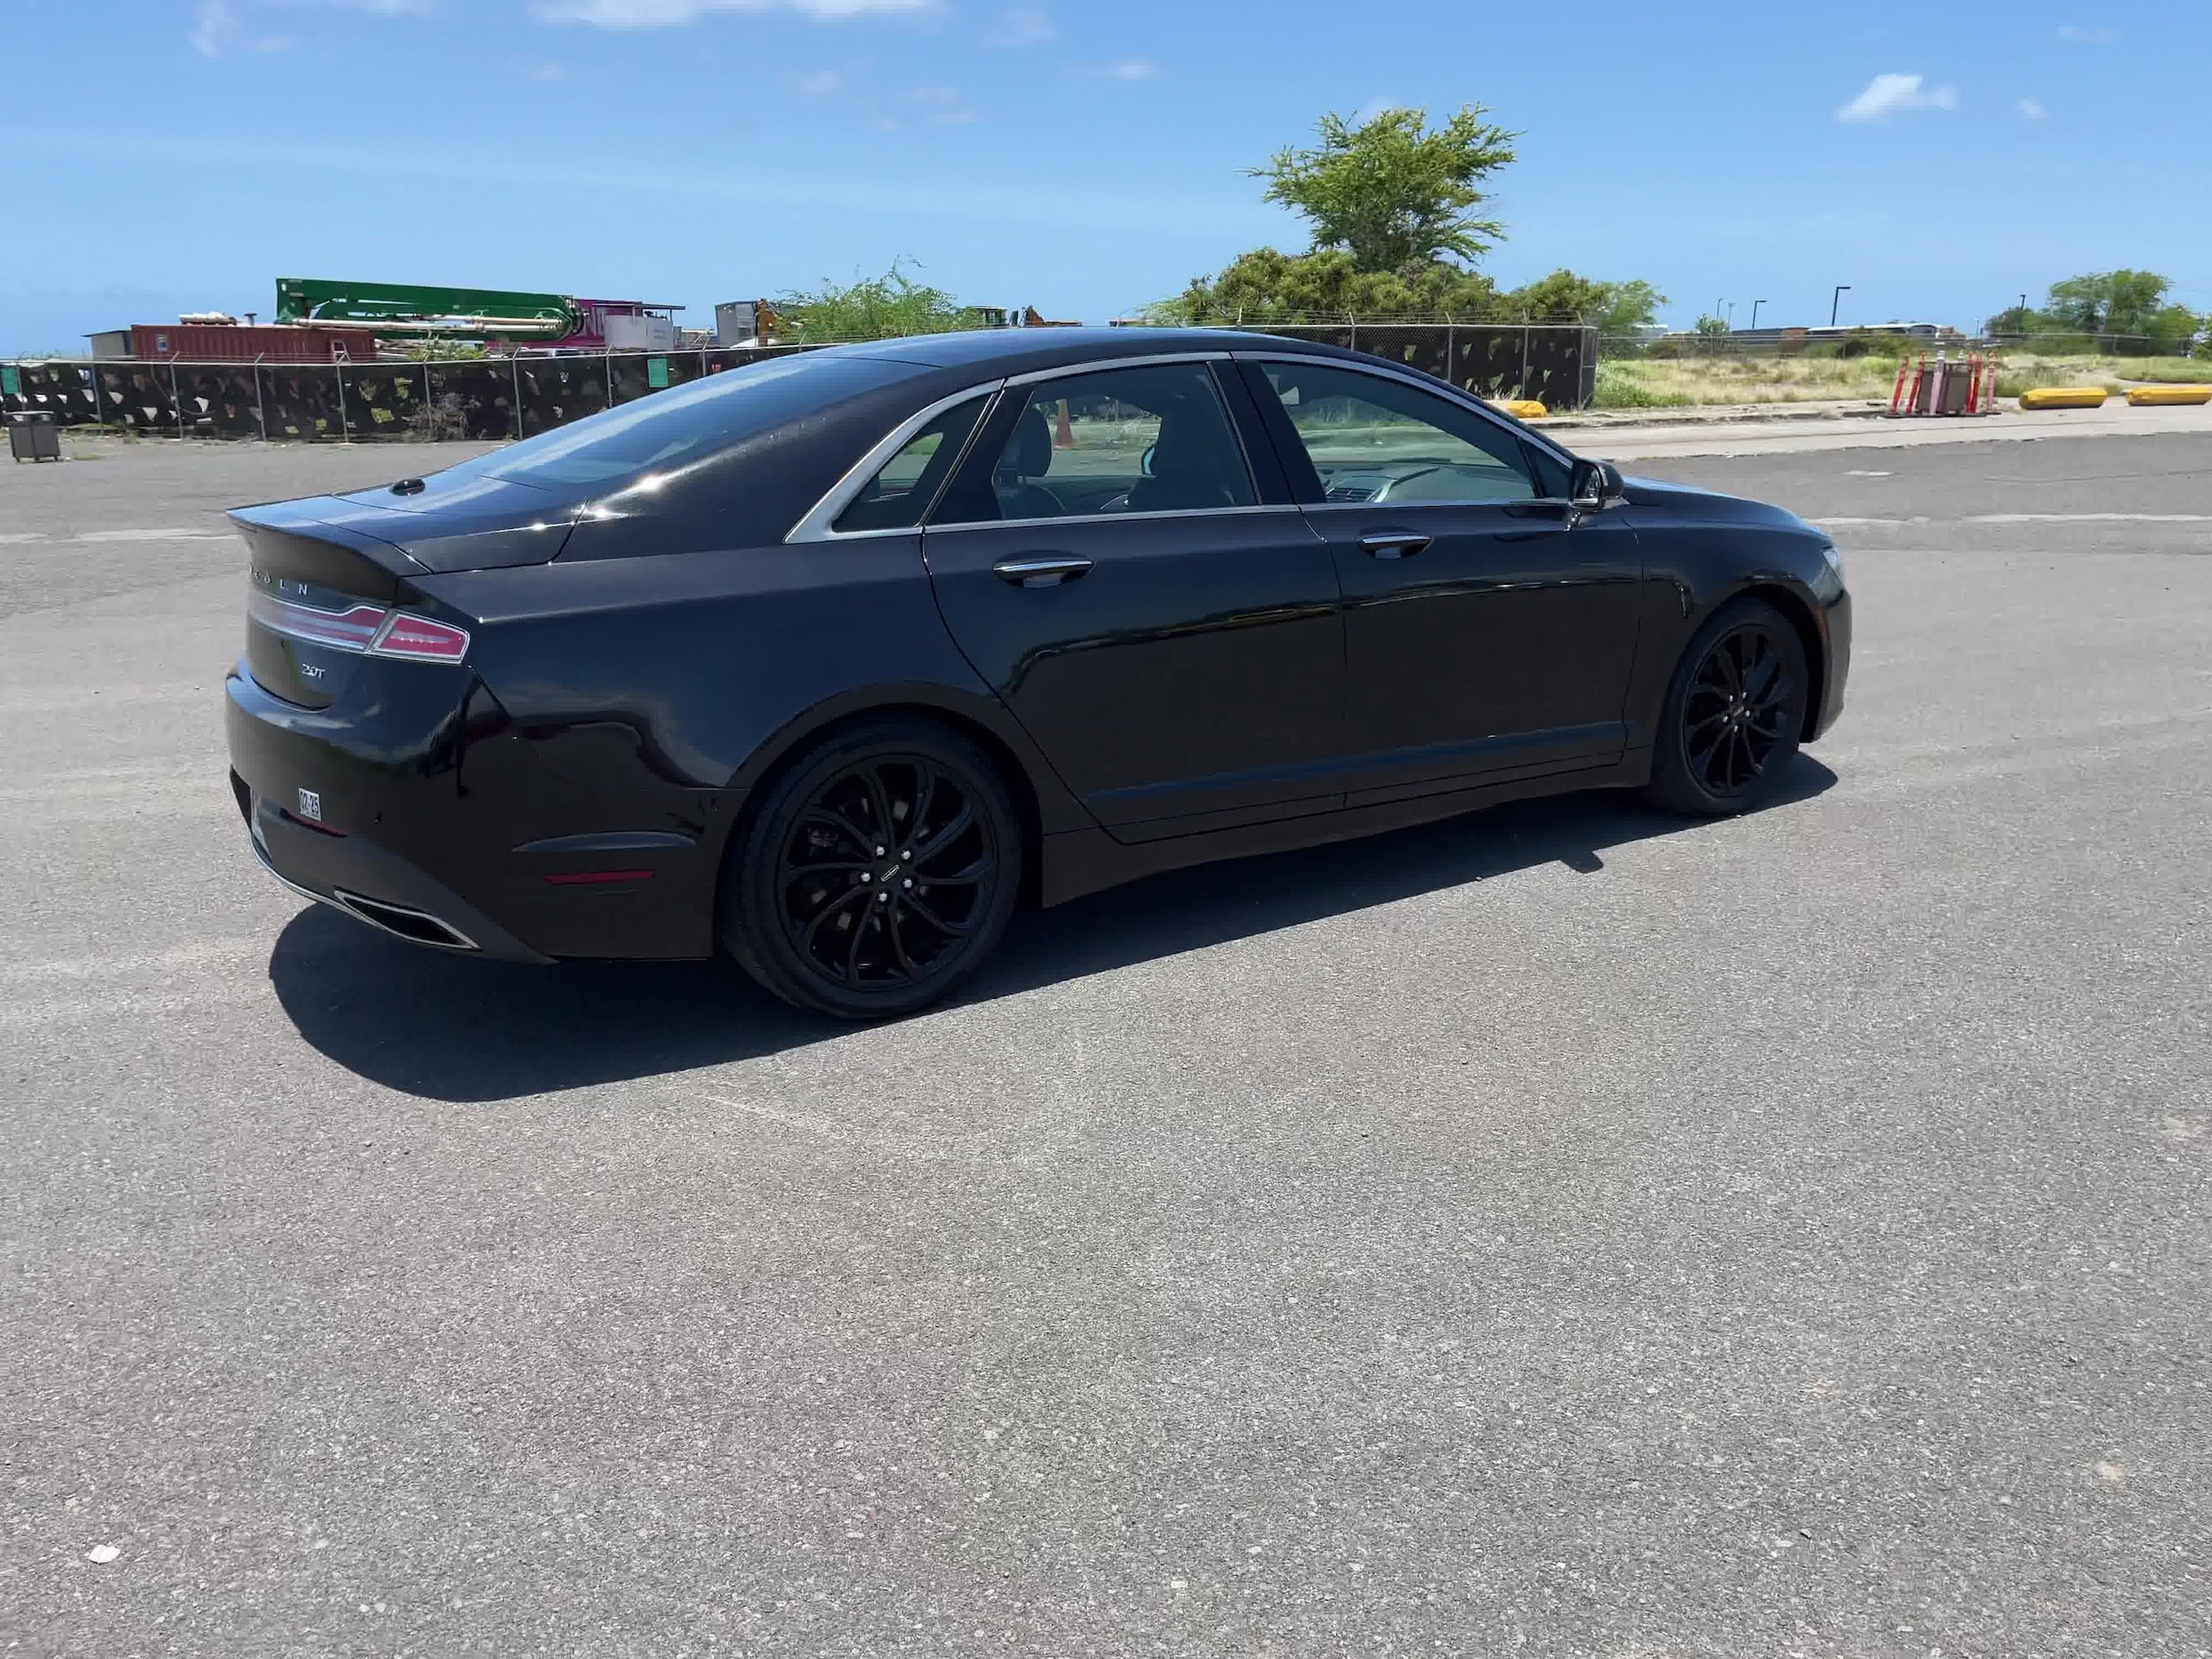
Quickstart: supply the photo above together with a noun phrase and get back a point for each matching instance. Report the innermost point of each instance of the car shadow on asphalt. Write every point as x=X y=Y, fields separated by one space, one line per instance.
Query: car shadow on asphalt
x=451 y=1028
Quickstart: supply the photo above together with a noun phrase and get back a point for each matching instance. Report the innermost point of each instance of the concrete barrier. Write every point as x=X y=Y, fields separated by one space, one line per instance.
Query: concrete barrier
x=2063 y=397
x=2164 y=396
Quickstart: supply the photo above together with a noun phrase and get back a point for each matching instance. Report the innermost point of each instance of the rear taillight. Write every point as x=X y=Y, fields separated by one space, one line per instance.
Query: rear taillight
x=420 y=637
x=368 y=629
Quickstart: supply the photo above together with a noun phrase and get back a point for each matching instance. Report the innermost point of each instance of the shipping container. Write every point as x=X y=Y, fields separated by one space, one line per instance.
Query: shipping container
x=239 y=343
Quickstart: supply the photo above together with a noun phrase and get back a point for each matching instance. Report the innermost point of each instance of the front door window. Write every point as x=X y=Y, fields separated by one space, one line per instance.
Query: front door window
x=1380 y=440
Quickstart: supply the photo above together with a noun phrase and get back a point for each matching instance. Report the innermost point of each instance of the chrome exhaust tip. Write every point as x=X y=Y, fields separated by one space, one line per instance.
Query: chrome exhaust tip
x=419 y=927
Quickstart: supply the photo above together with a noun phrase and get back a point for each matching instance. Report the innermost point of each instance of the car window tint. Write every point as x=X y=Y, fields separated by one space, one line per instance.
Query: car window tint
x=1377 y=440
x=664 y=431
x=1553 y=476
x=1141 y=439
x=897 y=497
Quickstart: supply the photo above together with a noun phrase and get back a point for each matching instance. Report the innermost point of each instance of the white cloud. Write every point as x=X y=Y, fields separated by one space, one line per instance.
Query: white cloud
x=2076 y=32
x=887 y=110
x=1121 y=69
x=653 y=14
x=1896 y=95
x=2032 y=110
x=940 y=106
x=1024 y=25
x=1375 y=107
x=222 y=28
x=218 y=30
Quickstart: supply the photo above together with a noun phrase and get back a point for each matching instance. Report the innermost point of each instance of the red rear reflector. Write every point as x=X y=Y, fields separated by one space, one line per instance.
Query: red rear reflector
x=420 y=637
x=584 y=878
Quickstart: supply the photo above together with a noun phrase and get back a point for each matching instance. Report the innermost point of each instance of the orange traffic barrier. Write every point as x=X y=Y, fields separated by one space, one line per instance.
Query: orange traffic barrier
x=1064 y=437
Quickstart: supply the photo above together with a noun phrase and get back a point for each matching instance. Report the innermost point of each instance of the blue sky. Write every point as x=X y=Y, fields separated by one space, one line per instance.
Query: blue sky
x=168 y=155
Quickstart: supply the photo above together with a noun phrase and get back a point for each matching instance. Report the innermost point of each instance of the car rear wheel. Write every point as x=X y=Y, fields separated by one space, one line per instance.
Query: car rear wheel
x=1734 y=713
x=878 y=872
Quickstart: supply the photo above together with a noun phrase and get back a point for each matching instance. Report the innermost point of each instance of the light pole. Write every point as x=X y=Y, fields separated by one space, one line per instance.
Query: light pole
x=1755 y=311
x=1731 y=316
x=1835 y=302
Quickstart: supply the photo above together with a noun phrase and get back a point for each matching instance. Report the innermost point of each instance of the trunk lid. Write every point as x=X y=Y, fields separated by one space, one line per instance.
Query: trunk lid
x=326 y=598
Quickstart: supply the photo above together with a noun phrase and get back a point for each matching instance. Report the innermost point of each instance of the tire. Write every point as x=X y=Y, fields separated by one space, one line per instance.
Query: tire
x=918 y=917
x=1734 y=713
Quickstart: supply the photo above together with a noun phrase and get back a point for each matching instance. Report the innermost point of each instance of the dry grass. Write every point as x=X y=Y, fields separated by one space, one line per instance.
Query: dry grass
x=1676 y=382
x=1682 y=382
x=2016 y=375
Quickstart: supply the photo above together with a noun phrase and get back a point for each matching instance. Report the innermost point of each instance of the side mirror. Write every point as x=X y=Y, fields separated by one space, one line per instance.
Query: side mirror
x=1595 y=486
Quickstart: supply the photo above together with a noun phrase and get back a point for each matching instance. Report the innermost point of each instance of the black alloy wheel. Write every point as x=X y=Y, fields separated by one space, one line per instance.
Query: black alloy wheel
x=1735 y=713
x=880 y=871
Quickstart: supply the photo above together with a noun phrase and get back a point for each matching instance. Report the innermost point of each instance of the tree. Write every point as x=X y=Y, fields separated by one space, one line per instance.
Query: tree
x=1711 y=329
x=2124 y=302
x=1266 y=286
x=2106 y=302
x=1612 y=308
x=1390 y=191
x=1392 y=206
x=873 y=308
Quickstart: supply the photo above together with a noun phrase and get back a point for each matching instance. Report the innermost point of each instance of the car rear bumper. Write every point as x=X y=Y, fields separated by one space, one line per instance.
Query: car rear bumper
x=351 y=873
x=323 y=805
x=363 y=806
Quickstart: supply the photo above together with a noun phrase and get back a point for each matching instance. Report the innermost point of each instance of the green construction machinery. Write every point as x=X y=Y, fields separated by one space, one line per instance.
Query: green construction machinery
x=407 y=310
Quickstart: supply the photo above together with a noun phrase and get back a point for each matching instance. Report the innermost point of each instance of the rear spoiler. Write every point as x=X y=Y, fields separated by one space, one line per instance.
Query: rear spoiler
x=285 y=547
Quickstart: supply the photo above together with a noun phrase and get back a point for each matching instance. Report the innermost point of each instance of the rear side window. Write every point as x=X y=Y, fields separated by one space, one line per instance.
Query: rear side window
x=897 y=497
x=1152 y=439
x=1372 y=439
x=666 y=431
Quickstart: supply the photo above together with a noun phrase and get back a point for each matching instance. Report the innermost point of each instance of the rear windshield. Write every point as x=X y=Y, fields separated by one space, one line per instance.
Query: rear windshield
x=673 y=428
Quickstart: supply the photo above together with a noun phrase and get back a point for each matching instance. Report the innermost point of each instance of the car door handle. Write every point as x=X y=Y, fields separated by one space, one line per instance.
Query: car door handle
x=1393 y=544
x=1044 y=572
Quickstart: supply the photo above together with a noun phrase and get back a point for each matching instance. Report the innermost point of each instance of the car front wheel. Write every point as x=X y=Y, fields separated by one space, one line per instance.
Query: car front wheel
x=1734 y=713
x=878 y=872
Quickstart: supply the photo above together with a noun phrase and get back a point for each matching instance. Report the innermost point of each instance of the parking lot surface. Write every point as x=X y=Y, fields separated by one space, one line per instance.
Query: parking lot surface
x=1570 y=1230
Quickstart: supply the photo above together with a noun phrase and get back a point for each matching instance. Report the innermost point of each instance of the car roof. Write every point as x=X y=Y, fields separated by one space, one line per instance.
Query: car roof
x=1018 y=350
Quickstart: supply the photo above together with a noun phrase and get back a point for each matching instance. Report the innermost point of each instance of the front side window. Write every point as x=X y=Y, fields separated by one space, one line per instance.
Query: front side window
x=1154 y=439
x=1377 y=440
x=897 y=497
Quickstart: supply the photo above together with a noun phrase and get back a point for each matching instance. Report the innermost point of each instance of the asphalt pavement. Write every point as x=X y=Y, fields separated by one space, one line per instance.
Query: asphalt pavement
x=1569 y=1231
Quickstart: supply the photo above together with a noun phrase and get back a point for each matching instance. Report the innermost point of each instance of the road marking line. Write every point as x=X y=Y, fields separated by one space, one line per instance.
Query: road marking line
x=167 y=534
x=2028 y=517
x=193 y=955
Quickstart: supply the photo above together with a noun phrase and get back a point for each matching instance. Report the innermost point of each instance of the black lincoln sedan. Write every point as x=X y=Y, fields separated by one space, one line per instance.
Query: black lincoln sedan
x=830 y=662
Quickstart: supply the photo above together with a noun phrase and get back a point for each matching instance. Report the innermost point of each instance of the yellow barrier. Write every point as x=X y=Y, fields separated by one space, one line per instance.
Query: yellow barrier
x=1521 y=408
x=2159 y=397
x=2063 y=397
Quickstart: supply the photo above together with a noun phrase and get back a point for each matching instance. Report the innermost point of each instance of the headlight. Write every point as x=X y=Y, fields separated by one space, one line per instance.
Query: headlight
x=1835 y=559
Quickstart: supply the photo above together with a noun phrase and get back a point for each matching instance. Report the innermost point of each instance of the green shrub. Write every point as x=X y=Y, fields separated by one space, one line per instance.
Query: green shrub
x=1617 y=388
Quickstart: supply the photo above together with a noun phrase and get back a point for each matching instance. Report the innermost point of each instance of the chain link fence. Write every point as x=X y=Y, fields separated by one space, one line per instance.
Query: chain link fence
x=520 y=395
